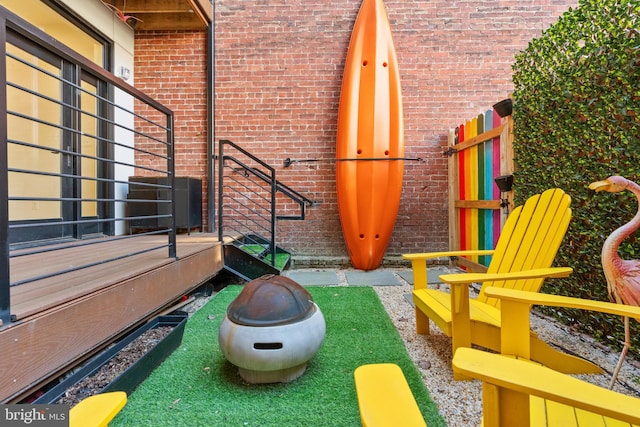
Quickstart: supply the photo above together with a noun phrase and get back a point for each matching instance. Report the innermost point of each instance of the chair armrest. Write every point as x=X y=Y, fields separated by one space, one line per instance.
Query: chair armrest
x=536 y=298
x=429 y=255
x=97 y=410
x=515 y=307
x=419 y=263
x=516 y=275
x=532 y=379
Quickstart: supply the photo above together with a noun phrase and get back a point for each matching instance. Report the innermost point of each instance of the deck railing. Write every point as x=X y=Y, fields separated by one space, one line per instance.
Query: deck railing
x=71 y=136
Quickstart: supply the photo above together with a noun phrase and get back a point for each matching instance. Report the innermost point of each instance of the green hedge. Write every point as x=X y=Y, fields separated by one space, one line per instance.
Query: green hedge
x=577 y=120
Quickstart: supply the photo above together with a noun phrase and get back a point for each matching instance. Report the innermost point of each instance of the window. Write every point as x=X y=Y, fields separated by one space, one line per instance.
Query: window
x=69 y=31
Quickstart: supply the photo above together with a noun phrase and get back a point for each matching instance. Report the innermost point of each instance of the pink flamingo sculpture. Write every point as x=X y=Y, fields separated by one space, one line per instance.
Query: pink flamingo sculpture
x=623 y=276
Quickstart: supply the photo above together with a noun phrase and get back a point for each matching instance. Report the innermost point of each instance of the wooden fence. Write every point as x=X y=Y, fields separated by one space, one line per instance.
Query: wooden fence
x=480 y=149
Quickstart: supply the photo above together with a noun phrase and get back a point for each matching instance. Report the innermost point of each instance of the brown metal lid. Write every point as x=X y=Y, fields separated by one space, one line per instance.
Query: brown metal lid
x=270 y=300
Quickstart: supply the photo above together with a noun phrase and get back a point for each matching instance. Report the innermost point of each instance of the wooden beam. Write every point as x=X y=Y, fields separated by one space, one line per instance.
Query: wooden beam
x=168 y=21
x=151 y=6
x=168 y=14
x=470 y=265
x=490 y=134
x=204 y=10
x=477 y=204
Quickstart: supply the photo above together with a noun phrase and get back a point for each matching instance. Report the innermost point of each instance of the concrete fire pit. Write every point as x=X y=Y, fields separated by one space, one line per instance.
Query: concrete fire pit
x=271 y=330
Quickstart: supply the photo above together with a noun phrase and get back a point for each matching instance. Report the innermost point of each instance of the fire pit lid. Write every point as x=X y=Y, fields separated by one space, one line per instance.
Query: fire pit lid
x=270 y=300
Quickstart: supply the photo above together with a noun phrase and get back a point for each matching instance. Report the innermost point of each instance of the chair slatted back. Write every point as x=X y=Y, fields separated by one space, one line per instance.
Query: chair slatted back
x=530 y=239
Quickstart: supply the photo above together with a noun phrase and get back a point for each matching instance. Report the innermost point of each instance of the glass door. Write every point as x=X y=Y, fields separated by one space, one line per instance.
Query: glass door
x=56 y=120
x=58 y=173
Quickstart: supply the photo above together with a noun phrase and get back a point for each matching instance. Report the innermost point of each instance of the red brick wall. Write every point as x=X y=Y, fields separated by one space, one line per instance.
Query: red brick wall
x=278 y=73
x=171 y=67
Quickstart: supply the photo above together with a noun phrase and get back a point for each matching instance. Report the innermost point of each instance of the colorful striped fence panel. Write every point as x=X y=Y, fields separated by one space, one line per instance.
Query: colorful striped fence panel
x=477 y=166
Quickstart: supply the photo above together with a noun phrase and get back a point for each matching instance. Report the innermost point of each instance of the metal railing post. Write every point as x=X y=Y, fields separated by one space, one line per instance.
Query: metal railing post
x=171 y=167
x=5 y=278
x=220 y=188
x=272 y=245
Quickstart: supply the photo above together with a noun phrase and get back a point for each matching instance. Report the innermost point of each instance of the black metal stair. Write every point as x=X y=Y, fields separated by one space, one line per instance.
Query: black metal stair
x=248 y=193
x=249 y=257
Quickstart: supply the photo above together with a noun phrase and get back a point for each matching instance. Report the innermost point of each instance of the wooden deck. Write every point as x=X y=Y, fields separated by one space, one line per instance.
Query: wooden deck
x=63 y=318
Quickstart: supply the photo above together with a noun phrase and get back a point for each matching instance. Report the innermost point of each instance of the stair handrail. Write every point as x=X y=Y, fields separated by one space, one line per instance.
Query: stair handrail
x=292 y=194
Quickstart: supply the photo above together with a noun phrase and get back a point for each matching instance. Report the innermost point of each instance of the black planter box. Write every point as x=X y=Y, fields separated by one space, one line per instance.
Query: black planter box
x=136 y=373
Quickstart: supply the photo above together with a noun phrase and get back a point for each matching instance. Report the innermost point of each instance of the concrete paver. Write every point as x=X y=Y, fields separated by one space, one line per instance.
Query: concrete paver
x=313 y=278
x=432 y=275
x=378 y=277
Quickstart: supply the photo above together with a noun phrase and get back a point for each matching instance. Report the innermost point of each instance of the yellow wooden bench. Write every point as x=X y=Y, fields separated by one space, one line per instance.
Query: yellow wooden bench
x=97 y=410
x=384 y=397
x=518 y=392
x=522 y=259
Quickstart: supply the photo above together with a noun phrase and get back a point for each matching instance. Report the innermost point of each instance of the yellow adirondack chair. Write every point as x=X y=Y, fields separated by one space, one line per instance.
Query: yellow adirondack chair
x=518 y=392
x=522 y=259
x=97 y=410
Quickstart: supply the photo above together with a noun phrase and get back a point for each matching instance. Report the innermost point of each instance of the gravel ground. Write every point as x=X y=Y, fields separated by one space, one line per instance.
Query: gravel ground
x=460 y=401
x=117 y=365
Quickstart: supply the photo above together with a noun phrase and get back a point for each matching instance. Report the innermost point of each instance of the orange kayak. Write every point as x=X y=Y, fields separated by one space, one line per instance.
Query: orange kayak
x=370 y=141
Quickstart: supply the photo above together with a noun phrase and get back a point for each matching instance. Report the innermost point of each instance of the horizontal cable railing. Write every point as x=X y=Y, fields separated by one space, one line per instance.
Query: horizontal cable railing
x=85 y=159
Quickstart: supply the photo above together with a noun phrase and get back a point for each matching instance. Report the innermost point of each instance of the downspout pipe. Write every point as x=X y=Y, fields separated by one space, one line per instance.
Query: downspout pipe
x=211 y=164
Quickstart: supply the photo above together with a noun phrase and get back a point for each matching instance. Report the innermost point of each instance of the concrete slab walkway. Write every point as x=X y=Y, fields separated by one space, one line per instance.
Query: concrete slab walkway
x=379 y=277
x=353 y=277
x=313 y=277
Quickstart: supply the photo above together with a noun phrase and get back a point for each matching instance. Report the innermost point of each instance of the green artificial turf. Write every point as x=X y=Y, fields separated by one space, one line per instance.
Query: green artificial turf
x=253 y=249
x=196 y=386
x=281 y=258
